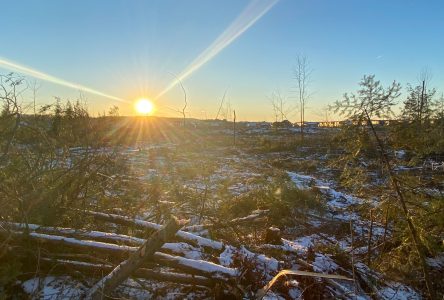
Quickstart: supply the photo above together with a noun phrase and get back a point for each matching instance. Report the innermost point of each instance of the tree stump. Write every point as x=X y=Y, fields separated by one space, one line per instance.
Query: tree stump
x=273 y=236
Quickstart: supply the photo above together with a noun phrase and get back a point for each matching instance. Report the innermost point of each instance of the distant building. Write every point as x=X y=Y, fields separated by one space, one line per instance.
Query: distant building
x=329 y=124
x=257 y=125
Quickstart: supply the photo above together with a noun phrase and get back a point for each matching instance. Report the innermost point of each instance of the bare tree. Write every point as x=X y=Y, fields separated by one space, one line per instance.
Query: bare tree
x=114 y=111
x=425 y=77
x=302 y=74
x=221 y=104
x=279 y=105
x=275 y=108
x=35 y=86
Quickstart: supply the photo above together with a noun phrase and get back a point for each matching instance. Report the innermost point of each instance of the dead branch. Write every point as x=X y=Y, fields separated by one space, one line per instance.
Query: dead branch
x=261 y=293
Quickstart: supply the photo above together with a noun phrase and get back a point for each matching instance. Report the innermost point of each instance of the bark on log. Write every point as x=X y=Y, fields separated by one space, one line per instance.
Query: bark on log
x=181 y=235
x=92 y=268
x=180 y=248
x=198 y=267
x=108 y=283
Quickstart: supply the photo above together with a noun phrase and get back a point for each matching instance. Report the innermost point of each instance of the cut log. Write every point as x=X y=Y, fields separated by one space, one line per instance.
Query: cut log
x=197 y=267
x=180 y=248
x=92 y=268
x=78 y=233
x=270 y=265
x=108 y=283
x=181 y=235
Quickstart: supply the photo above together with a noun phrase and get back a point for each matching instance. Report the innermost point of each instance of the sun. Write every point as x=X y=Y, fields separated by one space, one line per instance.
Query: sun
x=144 y=106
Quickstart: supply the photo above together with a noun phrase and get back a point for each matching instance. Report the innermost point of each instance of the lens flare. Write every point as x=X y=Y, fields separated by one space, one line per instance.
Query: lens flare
x=9 y=65
x=255 y=10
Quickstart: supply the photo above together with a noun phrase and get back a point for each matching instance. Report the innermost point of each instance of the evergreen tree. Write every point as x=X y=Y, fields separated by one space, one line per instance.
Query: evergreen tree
x=418 y=107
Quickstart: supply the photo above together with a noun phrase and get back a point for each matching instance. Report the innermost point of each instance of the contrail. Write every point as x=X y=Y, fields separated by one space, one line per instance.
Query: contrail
x=255 y=10
x=43 y=76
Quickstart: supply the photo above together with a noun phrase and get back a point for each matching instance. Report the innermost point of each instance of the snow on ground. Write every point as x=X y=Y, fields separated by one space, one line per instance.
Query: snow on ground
x=341 y=200
x=336 y=199
x=436 y=262
x=324 y=264
x=52 y=288
x=397 y=291
x=239 y=173
x=340 y=206
x=302 y=182
x=65 y=287
x=268 y=265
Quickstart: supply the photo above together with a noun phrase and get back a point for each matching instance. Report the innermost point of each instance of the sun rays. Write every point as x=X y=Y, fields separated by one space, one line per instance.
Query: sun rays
x=255 y=10
x=7 y=64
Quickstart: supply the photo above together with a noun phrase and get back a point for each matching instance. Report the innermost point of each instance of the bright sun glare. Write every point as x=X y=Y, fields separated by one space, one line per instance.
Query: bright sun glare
x=144 y=106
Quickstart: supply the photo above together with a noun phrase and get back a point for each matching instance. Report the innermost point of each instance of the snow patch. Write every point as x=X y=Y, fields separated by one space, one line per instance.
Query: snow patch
x=395 y=291
x=324 y=264
x=51 y=288
x=302 y=182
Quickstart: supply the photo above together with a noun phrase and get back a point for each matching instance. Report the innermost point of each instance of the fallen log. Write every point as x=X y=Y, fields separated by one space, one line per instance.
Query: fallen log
x=78 y=233
x=92 y=268
x=197 y=267
x=265 y=264
x=189 y=237
x=109 y=282
x=175 y=248
x=182 y=235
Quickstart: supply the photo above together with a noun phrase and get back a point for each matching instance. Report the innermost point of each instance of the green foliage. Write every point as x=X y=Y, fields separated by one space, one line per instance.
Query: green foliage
x=371 y=100
x=10 y=269
x=52 y=161
x=355 y=138
x=282 y=199
x=420 y=129
x=417 y=229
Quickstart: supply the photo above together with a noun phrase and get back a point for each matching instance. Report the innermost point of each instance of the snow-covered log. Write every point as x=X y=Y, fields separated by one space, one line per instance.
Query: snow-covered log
x=197 y=267
x=92 y=268
x=182 y=235
x=180 y=248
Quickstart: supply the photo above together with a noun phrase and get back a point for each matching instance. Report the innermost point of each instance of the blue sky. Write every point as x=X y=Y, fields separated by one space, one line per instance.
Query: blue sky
x=129 y=48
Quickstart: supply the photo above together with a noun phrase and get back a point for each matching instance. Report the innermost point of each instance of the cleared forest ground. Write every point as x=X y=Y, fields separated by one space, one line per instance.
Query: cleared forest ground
x=269 y=204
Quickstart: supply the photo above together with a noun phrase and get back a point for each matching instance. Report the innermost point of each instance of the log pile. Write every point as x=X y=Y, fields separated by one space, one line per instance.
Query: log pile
x=168 y=254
